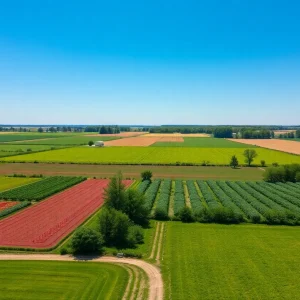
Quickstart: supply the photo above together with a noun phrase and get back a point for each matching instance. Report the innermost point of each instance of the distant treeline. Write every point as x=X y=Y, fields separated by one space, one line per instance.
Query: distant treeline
x=290 y=135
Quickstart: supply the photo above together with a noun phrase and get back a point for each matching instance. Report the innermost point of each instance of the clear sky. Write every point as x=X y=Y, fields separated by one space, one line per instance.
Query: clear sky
x=150 y=62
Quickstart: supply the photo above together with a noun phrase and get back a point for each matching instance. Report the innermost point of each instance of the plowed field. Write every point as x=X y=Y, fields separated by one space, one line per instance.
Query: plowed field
x=45 y=224
x=143 y=141
x=280 y=145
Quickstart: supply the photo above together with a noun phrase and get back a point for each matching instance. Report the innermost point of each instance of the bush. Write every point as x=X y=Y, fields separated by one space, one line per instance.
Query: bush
x=263 y=163
x=146 y=175
x=63 y=251
x=219 y=215
x=186 y=215
x=297 y=177
x=283 y=173
x=135 y=236
x=275 y=164
x=161 y=214
x=90 y=143
x=86 y=240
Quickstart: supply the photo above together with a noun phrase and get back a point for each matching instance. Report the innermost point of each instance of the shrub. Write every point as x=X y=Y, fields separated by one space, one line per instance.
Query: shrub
x=161 y=214
x=234 y=162
x=90 y=143
x=263 y=163
x=275 y=164
x=135 y=236
x=297 y=177
x=146 y=175
x=86 y=240
x=63 y=251
x=283 y=173
x=186 y=215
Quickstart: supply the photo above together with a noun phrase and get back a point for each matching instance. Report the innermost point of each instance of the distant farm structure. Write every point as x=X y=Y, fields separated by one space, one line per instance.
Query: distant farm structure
x=99 y=144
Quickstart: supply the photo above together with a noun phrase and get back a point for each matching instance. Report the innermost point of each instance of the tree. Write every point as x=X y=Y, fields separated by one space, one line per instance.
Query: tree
x=114 y=226
x=86 y=240
x=103 y=130
x=40 y=130
x=186 y=215
x=249 y=154
x=234 y=162
x=115 y=193
x=135 y=207
x=298 y=133
x=91 y=143
x=263 y=163
x=146 y=175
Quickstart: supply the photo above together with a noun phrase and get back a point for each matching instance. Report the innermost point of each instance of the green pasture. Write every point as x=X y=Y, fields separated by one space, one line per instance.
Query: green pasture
x=61 y=280
x=70 y=140
x=153 y=155
x=202 y=143
x=231 y=262
x=7 y=183
x=26 y=136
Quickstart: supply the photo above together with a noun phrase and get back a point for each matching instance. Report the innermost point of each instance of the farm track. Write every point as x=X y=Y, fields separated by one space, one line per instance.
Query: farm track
x=157 y=243
x=152 y=272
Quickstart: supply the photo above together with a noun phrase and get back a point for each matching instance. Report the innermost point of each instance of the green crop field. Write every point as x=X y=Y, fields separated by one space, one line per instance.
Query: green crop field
x=61 y=280
x=252 y=201
x=202 y=143
x=153 y=155
x=70 y=140
x=7 y=183
x=231 y=262
x=26 y=136
x=41 y=189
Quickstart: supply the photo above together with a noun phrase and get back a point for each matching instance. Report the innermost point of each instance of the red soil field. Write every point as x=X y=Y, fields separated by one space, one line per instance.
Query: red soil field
x=7 y=204
x=45 y=224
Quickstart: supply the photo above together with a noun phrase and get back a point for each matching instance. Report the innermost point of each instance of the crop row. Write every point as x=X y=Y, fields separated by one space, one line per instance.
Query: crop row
x=14 y=208
x=249 y=201
x=151 y=193
x=163 y=200
x=143 y=186
x=40 y=189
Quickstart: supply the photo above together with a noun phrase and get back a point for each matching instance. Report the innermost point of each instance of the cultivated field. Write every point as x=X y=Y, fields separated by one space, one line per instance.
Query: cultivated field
x=62 y=280
x=40 y=190
x=7 y=204
x=201 y=143
x=231 y=262
x=274 y=144
x=27 y=136
x=177 y=134
x=7 y=183
x=252 y=201
x=153 y=155
x=43 y=225
x=133 y=171
x=143 y=141
x=122 y=134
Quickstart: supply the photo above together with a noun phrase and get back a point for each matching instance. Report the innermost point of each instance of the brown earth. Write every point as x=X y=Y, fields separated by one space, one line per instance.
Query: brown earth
x=142 y=141
x=274 y=144
x=177 y=134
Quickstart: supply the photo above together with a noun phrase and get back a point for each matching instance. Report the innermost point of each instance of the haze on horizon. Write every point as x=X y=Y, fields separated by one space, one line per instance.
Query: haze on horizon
x=150 y=62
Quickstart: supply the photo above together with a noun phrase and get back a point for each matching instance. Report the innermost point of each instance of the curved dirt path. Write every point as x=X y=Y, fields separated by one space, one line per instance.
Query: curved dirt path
x=153 y=273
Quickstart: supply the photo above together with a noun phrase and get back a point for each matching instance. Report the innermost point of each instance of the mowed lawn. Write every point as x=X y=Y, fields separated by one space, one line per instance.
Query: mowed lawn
x=61 y=280
x=153 y=155
x=7 y=183
x=202 y=143
x=204 y=261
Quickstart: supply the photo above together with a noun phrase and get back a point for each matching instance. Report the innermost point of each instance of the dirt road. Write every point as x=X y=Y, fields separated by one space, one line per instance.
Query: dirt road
x=153 y=273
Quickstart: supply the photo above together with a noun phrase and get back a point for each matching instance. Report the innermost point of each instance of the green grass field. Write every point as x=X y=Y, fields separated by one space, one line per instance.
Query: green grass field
x=7 y=183
x=153 y=155
x=134 y=171
x=231 y=262
x=70 y=140
x=202 y=143
x=26 y=136
x=61 y=280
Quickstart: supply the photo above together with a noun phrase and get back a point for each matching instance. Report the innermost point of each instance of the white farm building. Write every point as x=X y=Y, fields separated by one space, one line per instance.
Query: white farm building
x=99 y=144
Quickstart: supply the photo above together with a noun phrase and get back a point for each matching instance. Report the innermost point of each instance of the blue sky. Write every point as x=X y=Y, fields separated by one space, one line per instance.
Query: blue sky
x=150 y=62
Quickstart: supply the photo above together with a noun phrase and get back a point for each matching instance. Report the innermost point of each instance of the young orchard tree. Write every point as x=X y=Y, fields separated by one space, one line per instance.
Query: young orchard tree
x=234 y=162
x=249 y=154
x=91 y=143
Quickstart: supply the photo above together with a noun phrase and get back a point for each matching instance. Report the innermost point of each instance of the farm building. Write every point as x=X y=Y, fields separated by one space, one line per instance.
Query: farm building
x=99 y=144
